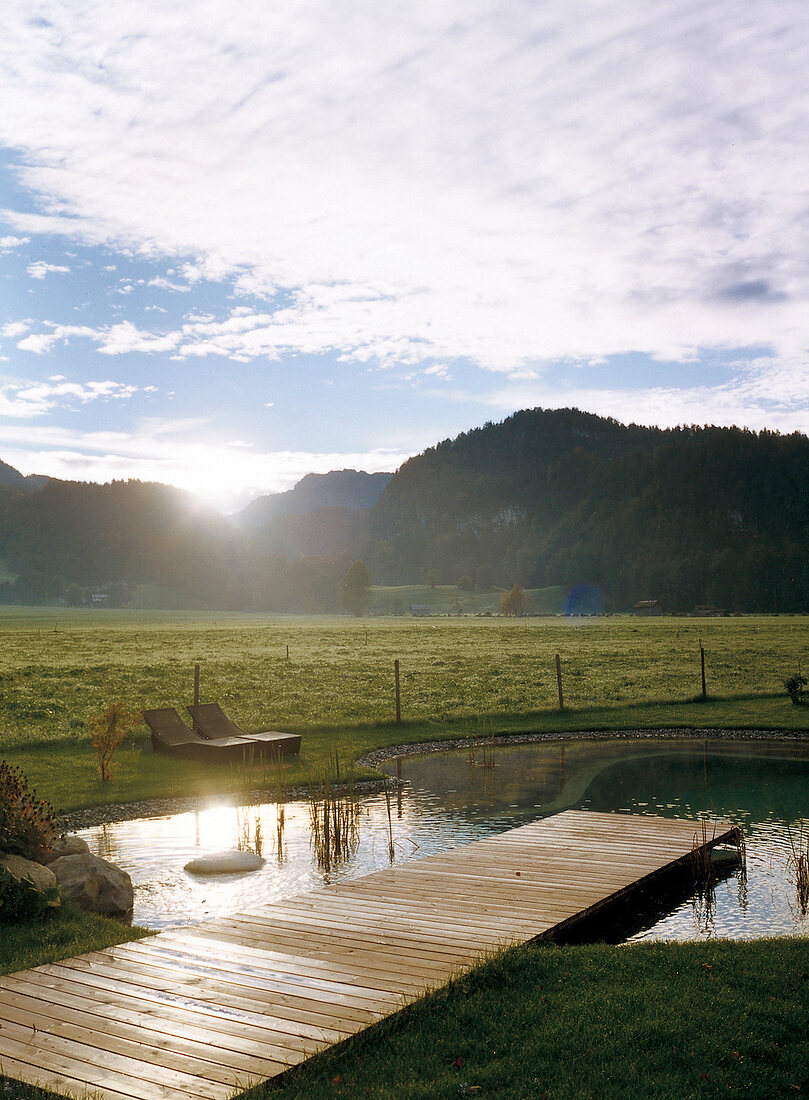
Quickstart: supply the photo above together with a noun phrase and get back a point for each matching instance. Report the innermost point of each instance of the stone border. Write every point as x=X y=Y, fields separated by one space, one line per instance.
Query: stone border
x=164 y=807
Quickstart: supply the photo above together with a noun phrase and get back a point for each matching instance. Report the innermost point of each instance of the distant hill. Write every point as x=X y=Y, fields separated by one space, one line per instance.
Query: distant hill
x=126 y=531
x=324 y=515
x=13 y=479
x=351 y=490
x=553 y=500
x=559 y=497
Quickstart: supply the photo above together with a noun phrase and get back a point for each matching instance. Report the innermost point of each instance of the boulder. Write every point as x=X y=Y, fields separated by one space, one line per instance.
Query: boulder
x=66 y=846
x=225 y=863
x=94 y=884
x=42 y=878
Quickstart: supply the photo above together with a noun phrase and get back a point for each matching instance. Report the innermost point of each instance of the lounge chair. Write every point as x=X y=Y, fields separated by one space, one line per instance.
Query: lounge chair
x=211 y=721
x=171 y=735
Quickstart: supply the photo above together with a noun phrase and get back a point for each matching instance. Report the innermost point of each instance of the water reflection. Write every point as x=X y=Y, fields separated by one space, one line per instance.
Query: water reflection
x=449 y=799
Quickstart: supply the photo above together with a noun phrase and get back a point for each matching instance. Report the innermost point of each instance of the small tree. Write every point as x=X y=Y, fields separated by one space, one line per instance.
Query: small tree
x=108 y=730
x=75 y=595
x=795 y=685
x=513 y=601
x=355 y=588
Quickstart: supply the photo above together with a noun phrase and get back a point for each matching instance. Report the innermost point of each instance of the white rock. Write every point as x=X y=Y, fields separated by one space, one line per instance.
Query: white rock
x=94 y=884
x=225 y=863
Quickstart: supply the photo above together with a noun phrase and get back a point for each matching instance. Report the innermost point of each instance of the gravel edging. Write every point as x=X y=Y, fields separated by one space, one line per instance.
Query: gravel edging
x=164 y=807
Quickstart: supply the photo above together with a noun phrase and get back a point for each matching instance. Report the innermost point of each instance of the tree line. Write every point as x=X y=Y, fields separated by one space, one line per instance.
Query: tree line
x=686 y=516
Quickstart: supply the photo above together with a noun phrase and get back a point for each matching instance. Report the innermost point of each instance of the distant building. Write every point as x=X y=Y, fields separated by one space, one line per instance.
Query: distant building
x=420 y=609
x=648 y=607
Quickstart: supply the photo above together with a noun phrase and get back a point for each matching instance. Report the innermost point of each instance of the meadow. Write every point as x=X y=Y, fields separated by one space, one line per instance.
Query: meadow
x=332 y=679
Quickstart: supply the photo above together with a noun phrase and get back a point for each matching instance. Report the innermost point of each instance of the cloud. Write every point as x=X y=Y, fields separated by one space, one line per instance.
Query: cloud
x=9 y=243
x=24 y=400
x=120 y=339
x=40 y=342
x=166 y=284
x=757 y=393
x=15 y=328
x=422 y=183
x=753 y=290
x=40 y=269
x=125 y=338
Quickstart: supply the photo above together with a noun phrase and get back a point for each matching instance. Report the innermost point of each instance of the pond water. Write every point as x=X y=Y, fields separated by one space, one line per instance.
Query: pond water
x=451 y=798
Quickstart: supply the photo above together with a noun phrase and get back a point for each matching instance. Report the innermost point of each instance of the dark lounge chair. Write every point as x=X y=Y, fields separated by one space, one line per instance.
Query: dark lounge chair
x=211 y=721
x=171 y=735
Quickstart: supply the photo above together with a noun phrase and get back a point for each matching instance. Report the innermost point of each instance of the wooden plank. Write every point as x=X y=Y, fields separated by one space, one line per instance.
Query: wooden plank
x=162 y=1032
x=201 y=1012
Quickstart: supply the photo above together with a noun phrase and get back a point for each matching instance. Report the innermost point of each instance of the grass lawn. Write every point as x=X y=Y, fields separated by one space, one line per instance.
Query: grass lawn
x=666 y=1021
x=66 y=933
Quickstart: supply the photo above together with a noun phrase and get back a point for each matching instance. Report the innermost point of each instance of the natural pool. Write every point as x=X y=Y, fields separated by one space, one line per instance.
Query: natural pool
x=451 y=798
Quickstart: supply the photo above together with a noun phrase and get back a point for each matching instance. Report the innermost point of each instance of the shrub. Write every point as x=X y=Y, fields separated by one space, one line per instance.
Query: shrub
x=795 y=686
x=27 y=825
x=108 y=729
x=20 y=901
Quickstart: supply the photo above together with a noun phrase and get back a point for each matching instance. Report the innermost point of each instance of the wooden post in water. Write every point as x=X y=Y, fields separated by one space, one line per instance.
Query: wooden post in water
x=398 y=695
x=702 y=666
x=559 y=682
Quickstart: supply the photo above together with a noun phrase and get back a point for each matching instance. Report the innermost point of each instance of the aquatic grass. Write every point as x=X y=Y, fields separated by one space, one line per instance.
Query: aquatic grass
x=798 y=867
x=334 y=815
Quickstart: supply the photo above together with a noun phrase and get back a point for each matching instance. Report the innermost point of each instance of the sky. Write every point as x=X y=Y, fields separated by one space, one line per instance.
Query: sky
x=244 y=242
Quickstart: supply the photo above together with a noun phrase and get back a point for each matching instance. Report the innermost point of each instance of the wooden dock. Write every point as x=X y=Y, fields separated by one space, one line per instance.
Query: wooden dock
x=207 y=1010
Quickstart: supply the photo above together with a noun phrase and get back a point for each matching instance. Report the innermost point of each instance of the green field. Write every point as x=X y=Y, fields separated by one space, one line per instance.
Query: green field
x=458 y=676
x=449 y=599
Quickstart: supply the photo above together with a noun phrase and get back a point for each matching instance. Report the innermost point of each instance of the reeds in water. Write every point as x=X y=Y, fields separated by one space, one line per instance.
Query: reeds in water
x=703 y=871
x=334 y=816
x=798 y=868
x=248 y=823
x=280 y=793
x=486 y=757
x=391 y=845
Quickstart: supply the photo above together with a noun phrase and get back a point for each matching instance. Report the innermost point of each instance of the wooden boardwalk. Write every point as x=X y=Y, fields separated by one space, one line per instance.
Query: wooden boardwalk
x=207 y=1010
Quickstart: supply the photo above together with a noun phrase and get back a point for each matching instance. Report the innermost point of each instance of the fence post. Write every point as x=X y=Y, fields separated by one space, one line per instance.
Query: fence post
x=559 y=682
x=398 y=696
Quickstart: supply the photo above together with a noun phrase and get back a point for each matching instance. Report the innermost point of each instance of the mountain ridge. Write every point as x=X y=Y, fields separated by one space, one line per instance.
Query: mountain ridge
x=544 y=498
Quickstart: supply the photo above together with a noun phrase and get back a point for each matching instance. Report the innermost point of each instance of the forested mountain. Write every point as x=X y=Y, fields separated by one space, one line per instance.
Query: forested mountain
x=324 y=516
x=95 y=543
x=687 y=516
x=351 y=490
x=13 y=479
